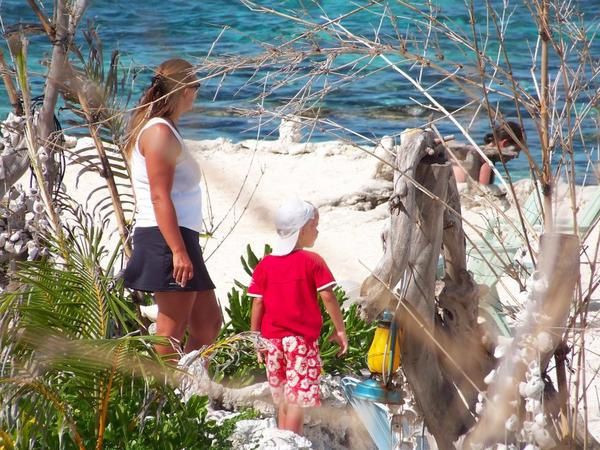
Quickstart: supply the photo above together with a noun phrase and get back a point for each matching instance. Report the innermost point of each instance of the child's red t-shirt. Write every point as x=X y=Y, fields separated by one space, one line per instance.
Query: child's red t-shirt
x=288 y=286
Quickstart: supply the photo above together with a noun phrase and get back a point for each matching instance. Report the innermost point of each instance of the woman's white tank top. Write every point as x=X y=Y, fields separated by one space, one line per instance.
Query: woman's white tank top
x=186 y=192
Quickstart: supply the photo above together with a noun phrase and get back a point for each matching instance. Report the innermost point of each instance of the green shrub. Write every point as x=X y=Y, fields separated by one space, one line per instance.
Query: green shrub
x=182 y=426
x=239 y=365
x=360 y=335
x=73 y=375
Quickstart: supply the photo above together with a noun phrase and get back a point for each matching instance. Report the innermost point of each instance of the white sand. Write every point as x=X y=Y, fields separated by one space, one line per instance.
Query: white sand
x=348 y=238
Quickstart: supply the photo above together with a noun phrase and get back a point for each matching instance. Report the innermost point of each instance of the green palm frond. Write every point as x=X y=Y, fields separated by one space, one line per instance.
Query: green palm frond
x=97 y=102
x=76 y=382
x=66 y=358
x=78 y=295
x=89 y=161
x=36 y=395
x=109 y=81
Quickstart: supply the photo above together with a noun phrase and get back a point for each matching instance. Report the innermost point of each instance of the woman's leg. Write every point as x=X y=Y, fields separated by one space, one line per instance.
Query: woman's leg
x=205 y=321
x=174 y=310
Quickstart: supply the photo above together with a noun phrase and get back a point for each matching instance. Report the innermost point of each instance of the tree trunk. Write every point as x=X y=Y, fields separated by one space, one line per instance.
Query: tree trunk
x=64 y=29
x=11 y=90
x=45 y=121
x=15 y=160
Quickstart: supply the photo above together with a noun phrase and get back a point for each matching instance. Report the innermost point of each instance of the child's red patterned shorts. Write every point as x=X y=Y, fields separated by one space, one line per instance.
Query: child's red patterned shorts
x=294 y=371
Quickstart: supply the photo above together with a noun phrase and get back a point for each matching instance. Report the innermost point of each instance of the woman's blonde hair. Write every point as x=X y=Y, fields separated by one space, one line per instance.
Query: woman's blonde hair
x=161 y=97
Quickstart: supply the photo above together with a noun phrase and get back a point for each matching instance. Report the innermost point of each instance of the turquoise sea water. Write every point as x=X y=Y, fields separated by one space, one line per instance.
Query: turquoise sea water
x=377 y=102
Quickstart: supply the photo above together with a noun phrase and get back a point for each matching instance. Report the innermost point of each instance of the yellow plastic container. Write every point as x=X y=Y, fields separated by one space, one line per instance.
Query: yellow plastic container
x=380 y=352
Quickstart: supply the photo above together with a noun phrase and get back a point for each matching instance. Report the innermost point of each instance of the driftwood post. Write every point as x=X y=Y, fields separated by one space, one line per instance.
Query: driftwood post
x=443 y=355
x=440 y=355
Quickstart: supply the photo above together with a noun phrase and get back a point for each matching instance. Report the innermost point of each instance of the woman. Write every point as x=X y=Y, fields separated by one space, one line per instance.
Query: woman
x=167 y=258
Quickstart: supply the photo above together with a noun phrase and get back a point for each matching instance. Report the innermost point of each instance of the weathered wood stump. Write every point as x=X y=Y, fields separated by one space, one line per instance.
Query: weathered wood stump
x=425 y=212
x=443 y=355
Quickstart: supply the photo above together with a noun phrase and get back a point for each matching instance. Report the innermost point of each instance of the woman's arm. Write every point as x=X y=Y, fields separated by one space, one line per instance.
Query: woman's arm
x=486 y=175
x=161 y=149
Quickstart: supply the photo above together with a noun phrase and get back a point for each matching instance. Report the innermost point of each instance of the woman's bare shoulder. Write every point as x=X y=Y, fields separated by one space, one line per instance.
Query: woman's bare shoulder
x=159 y=137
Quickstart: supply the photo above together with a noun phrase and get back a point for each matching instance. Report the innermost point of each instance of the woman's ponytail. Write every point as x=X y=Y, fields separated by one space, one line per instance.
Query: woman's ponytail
x=159 y=99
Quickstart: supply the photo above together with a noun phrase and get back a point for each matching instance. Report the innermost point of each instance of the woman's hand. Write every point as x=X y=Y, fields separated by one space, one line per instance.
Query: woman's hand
x=183 y=269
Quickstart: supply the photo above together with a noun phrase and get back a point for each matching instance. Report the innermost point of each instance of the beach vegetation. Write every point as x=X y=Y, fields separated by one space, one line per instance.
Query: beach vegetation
x=75 y=372
x=78 y=369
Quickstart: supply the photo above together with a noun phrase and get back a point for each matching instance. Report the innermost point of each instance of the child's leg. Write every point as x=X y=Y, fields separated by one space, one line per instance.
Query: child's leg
x=275 y=366
x=282 y=415
x=303 y=370
x=294 y=419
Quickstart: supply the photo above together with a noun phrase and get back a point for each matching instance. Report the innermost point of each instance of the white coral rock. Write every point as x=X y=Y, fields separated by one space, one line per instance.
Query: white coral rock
x=534 y=388
x=512 y=423
x=38 y=207
x=489 y=378
x=70 y=141
x=149 y=311
x=289 y=130
x=42 y=154
x=540 y=419
x=544 y=342
x=479 y=407
x=504 y=344
x=542 y=437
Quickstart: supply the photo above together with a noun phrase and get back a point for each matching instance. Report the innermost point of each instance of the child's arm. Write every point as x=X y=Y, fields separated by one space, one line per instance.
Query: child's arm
x=256 y=316
x=333 y=309
x=258 y=310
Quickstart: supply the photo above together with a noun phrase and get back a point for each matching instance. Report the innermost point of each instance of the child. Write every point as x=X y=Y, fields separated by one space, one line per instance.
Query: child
x=286 y=311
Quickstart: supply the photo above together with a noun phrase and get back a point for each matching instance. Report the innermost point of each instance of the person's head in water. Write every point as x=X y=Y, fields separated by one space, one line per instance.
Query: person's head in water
x=505 y=137
x=172 y=91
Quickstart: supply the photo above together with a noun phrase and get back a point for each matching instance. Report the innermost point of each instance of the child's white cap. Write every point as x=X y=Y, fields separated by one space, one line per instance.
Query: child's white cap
x=290 y=217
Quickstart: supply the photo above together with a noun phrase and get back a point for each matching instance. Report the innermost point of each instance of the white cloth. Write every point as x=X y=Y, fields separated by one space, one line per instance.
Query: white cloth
x=186 y=192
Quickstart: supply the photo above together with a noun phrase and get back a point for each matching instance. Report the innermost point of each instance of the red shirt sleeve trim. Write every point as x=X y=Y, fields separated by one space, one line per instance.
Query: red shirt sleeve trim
x=325 y=286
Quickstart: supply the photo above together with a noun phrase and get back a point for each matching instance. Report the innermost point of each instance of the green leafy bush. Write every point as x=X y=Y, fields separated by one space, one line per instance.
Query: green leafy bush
x=360 y=335
x=239 y=365
x=73 y=372
x=180 y=426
